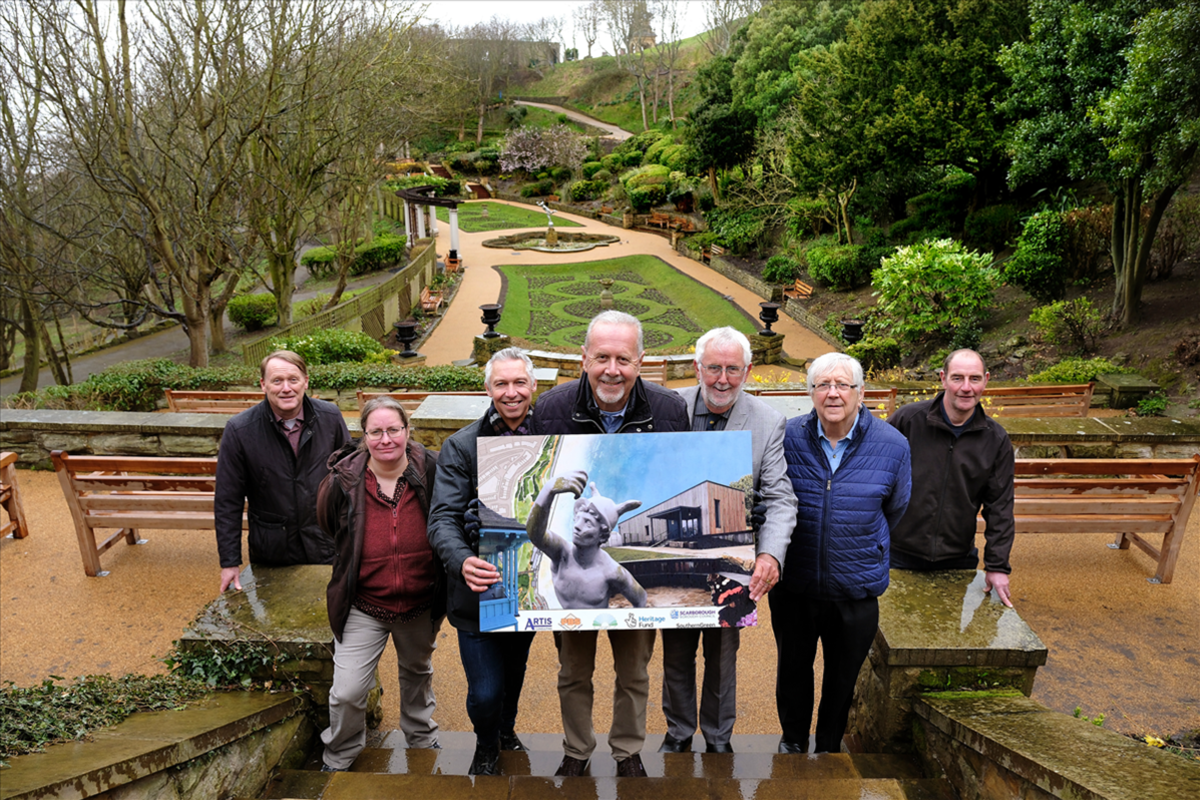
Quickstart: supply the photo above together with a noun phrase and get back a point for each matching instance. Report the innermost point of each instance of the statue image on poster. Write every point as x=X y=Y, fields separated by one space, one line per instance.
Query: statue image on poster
x=617 y=532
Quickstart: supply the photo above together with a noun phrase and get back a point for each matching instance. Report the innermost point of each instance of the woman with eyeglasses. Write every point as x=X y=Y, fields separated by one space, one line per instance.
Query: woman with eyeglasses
x=386 y=582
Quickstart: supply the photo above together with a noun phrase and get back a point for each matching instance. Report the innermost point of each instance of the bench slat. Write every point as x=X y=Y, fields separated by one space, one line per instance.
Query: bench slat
x=139 y=483
x=1089 y=506
x=154 y=502
x=181 y=520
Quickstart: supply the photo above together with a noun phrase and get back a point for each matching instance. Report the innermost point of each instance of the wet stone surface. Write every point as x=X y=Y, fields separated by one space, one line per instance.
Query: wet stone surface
x=945 y=619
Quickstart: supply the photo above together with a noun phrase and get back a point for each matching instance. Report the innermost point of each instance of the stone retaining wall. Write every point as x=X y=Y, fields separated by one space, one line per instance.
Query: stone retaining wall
x=993 y=747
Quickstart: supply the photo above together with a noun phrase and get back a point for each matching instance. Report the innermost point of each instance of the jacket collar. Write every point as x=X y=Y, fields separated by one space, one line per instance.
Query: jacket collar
x=637 y=409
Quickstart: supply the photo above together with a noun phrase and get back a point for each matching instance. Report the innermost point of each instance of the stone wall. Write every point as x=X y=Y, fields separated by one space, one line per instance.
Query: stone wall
x=224 y=745
x=995 y=747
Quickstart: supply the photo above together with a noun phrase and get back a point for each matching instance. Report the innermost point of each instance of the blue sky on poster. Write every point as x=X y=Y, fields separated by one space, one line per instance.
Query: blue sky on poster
x=651 y=467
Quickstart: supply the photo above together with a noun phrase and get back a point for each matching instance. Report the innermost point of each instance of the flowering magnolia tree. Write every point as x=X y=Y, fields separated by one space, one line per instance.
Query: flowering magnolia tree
x=534 y=149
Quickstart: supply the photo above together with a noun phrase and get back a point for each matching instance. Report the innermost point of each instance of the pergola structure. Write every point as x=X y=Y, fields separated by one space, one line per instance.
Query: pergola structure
x=417 y=203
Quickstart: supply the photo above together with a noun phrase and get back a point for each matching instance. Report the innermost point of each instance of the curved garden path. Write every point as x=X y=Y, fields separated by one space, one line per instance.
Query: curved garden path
x=613 y=132
x=454 y=335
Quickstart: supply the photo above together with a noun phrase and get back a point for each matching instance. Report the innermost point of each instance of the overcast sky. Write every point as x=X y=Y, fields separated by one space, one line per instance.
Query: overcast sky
x=464 y=13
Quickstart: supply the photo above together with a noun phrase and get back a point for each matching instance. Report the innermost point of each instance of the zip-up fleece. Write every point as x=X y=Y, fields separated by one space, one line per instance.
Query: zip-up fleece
x=952 y=479
x=839 y=548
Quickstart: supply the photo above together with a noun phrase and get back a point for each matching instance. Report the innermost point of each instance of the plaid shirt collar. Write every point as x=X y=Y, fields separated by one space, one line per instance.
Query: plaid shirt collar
x=500 y=427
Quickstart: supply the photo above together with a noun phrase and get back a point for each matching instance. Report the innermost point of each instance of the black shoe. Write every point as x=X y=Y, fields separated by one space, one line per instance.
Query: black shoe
x=631 y=767
x=571 y=767
x=484 y=762
x=510 y=742
x=792 y=747
x=718 y=748
x=672 y=745
x=327 y=768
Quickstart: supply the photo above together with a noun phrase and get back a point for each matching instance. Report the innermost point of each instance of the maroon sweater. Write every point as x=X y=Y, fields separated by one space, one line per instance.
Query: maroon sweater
x=397 y=572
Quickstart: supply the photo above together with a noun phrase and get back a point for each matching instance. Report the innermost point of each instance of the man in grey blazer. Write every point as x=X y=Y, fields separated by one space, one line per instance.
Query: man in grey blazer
x=717 y=403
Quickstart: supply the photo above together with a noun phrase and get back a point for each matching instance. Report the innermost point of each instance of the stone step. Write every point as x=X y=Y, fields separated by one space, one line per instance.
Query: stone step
x=369 y=786
x=387 y=769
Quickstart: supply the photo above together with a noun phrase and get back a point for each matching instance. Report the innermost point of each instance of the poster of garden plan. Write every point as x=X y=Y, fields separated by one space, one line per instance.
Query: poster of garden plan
x=617 y=532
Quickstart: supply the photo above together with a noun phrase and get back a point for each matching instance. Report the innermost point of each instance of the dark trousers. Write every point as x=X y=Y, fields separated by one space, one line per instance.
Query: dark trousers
x=901 y=560
x=495 y=667
x=846 y=629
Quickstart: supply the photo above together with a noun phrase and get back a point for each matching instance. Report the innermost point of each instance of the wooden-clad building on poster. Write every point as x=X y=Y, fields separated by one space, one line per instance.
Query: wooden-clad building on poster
x=707 y=515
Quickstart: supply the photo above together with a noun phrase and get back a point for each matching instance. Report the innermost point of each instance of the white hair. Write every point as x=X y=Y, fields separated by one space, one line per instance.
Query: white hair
x=826 y=365
x=727 y=335
x=614 y=317
x=509 y=354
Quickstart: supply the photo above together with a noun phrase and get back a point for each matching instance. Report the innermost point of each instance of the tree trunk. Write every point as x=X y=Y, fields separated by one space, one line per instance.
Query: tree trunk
x=641 y=84
x=282 y=269
x=195 y=314
x=60 y=377
x=33 y=348
x=479 y=125
x=671 y=97
x=66 y=354
x=712 y=183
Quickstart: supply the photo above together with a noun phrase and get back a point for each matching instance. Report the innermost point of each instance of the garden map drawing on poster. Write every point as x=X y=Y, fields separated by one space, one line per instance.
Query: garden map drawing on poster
x=617 y=532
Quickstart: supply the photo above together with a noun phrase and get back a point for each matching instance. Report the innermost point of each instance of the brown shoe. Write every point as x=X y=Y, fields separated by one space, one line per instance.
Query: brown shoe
x=571 y=767
x=631 y=767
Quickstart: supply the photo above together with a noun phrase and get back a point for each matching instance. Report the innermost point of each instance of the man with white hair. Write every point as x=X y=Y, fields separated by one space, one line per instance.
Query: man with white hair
x=852 y=479
x=610 y=398
x=494 y=663
x=717 y=403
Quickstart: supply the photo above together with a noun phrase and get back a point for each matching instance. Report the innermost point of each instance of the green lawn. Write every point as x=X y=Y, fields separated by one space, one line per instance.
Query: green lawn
x=552 y=304
x=500 y=217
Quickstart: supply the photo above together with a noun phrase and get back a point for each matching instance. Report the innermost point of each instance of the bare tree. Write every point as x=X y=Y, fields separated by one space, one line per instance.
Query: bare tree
x=587 y=23
x=723 y=18
x=487 y=55
x=670 y=31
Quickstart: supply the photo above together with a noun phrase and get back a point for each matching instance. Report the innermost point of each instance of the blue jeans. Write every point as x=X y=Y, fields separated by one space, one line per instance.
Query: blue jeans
x=495 y=667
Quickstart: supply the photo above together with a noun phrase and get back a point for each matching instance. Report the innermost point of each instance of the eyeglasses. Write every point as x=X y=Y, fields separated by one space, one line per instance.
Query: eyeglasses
x=393 y=433
x=715 y=370
x=825 y=388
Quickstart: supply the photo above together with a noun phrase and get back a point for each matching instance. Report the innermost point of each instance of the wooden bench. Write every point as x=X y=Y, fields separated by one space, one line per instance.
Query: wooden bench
x=199 y=402
x=658 y=219
x=881 y=402
x=800 y=291
x=409 y=400
x=606 y=209
x=1039 y=401
x=130 y=493
x=10 y=499
x=654 y=370
x=1132 y=498
x=431 y=300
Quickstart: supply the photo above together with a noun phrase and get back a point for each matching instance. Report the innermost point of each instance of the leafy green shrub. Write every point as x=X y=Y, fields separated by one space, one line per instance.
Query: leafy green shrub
x=632 y=159
x=560 y=174
x=806 y=216
x=612 y=162
x=742 y=230
x=1071 y=324
x=706 y=202
x=644 y=198
x=840 y=266
x=1152 y=405
x=1038 y=265
x=588 y=190
x=442 y=187
x=538 y=188
x=781 y=269
x=991 y=227
x=649 y=175
x=341 y=377
x=967 y=335
x=941 y=209
x=1076 y=370
x=927 y=290
x=876 y=353
x=329 y=345
x=603 y=175
x=380 y=253
x=252 y=312
x=590 y=168
x=486 y=166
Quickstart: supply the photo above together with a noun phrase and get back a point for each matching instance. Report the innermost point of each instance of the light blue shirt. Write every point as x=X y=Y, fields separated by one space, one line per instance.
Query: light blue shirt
x=612 y=420
x=834 y=457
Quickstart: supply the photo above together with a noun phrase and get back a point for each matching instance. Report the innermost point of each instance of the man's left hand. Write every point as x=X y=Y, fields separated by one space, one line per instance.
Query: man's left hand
x=998 y=581
x=766 y=575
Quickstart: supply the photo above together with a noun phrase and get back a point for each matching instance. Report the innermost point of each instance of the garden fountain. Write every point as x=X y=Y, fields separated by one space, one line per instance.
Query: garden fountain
x=552 y=241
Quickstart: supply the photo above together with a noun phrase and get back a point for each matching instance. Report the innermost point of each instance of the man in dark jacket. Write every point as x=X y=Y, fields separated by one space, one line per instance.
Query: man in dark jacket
x=963 y=461
x=852 y=477
x=494 y=663
x=611 y=398
x=274 y=455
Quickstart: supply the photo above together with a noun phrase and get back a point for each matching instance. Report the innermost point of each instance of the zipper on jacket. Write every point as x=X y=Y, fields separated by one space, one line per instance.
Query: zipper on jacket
x=937 y=523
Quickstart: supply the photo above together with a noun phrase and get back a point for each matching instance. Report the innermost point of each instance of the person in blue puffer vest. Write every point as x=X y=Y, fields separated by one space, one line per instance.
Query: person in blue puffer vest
x=852 y=477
